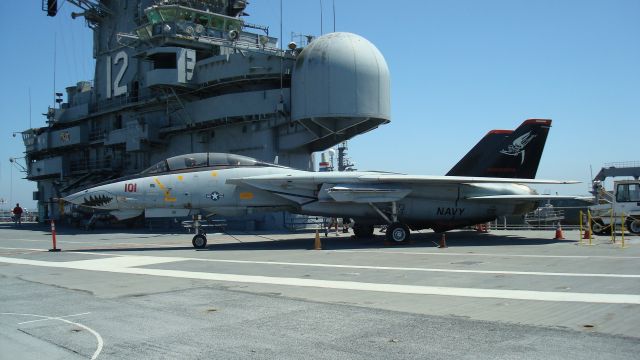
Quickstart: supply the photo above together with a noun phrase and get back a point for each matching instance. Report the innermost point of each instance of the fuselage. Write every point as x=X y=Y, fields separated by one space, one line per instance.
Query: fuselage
x=207 y=190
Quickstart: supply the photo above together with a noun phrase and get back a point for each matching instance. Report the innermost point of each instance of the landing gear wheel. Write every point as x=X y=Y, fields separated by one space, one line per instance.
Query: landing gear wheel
x=633 y=225
x=363 y=231
x=398 y=233
x=199 y=241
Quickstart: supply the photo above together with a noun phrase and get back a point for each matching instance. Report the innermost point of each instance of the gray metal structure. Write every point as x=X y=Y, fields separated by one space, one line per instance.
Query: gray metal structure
x=629 y=168
x=185 y=76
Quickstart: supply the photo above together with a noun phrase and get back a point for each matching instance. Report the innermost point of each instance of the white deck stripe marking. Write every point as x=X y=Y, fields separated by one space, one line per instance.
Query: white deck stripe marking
x=102 y=243
x=95 y=333
x=124 y=264
x=70 y=252
x=14 y=248
x=61 y=317
x=505 y=272
x=391 y=268
x=484 y=254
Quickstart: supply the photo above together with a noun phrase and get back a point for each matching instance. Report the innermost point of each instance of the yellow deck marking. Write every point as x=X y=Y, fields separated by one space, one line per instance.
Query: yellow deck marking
x=214 y=173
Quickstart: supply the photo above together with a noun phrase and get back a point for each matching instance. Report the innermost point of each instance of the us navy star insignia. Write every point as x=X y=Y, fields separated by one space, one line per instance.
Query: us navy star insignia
x=215 y=196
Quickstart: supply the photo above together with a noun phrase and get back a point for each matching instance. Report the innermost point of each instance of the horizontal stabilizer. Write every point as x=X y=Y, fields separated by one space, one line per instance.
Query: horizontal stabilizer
x=366 y=194
x=427 y=179
x=517 y=198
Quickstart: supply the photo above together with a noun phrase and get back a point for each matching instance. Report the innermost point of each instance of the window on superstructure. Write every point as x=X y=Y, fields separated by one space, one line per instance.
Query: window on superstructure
x=185 y=15
x=165 y=61
x=202 y=19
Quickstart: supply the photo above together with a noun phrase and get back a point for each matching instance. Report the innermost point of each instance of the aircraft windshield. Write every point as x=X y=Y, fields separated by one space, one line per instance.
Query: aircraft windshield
x=199 y=160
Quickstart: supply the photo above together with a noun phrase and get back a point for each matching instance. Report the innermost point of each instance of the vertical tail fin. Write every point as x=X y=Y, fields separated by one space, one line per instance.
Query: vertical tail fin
x=507 y=155
x=473 y=163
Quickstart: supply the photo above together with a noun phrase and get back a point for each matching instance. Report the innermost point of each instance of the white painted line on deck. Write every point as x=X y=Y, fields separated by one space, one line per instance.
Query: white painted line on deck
x=26 y=249
x=70 y=252
x=124 y=265
x=486 y=254
x=393 y=268
x=95 y=333
x=103 y=243
x=364 y=267
x=47 y=319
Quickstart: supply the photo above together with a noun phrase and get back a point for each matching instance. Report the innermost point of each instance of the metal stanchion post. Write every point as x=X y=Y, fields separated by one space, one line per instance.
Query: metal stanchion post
x=581 y=234
x=622 y=227
x=53 y=236
x=589 y=225
x=612 y=226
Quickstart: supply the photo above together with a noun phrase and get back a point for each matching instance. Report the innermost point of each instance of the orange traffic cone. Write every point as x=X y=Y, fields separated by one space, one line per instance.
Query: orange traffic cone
x=481 y=228
x=443 y=241
x=559 y=235
x=587 y=234
x=317 y=245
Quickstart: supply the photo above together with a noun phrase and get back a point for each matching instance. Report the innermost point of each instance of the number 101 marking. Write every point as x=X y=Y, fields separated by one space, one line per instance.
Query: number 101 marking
x=130 y=187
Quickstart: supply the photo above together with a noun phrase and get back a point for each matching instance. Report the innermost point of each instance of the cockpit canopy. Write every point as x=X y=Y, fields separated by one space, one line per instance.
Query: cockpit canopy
x=202 y=160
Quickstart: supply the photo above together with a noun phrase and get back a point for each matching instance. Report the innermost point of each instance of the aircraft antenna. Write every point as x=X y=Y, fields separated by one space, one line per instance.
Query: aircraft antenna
x=321 y=28
x=334 y=15
x=281 y=57
x=54 y=69
x=29 y=108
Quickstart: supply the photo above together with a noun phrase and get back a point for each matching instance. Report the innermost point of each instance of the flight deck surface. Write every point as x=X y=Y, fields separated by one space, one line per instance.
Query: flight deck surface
x=505 y=294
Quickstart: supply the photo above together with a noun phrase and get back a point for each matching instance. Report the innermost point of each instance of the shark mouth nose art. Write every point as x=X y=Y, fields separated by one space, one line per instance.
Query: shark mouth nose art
x=95 y=199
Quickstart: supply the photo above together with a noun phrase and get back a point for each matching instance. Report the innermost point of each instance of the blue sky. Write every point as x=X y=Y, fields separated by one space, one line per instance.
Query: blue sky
x=458 y=69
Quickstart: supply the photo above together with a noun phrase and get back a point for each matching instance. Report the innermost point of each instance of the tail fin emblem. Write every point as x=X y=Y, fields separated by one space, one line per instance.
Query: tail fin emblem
x=517 y=147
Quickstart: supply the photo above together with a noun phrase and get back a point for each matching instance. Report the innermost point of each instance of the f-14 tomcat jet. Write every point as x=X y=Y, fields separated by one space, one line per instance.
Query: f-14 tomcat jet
x=231 y=185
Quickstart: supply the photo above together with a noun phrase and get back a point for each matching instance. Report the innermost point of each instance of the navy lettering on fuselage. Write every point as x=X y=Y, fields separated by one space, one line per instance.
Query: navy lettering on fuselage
x=447 y=211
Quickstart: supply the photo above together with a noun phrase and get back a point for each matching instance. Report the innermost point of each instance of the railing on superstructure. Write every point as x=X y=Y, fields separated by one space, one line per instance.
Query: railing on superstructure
x=622 y=164
x=201 y=26
x=544 y=215
x=94 y=165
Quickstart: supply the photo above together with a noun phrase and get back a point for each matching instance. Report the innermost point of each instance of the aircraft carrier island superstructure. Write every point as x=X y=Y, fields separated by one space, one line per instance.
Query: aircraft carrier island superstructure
x=179 y=76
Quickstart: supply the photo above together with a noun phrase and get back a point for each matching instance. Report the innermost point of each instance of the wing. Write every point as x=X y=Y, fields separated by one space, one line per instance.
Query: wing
x=360 y=187
x=304 y=178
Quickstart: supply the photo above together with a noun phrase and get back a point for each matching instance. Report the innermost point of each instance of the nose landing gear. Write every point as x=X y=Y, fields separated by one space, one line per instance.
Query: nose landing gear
x=199 y=241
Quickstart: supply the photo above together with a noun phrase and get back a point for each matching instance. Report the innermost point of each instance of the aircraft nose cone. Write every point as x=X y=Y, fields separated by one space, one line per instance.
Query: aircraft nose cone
x=99 y=199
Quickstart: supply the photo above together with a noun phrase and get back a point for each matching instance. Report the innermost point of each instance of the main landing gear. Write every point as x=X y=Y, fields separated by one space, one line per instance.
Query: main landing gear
x=199 y=241
x=397 y=232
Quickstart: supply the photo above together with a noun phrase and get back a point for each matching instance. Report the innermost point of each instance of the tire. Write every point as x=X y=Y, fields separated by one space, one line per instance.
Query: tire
x=633 y=225
x=363 y=231
x=199 y=241
x=598 y=228
x=398 y=233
